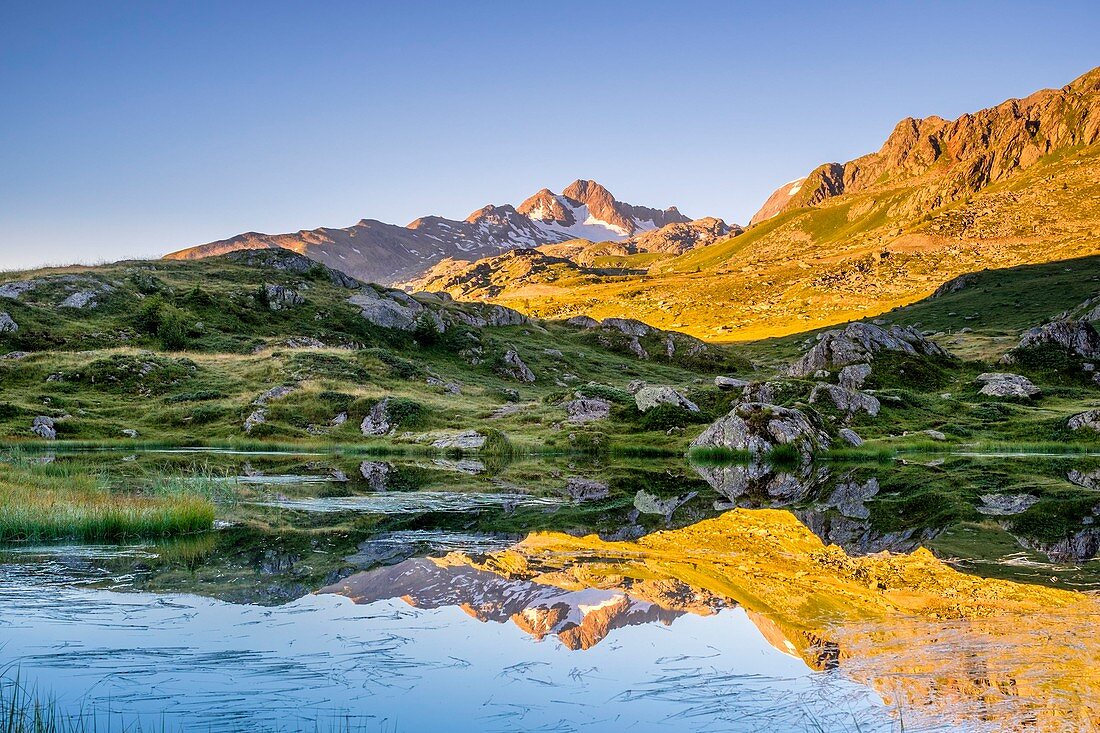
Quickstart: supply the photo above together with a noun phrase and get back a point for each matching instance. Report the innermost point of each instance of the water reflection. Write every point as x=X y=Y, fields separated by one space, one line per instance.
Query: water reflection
x=646 y=582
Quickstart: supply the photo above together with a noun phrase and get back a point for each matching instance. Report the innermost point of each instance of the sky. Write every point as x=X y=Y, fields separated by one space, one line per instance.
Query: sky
x=135 y=129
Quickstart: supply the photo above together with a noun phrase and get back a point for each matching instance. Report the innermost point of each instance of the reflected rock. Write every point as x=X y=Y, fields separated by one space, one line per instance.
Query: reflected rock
x=580 y=488
x=376 y=474
x=761 y=484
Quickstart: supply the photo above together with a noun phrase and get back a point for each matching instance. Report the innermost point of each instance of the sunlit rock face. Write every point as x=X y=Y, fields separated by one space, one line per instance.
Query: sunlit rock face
x=941 y=646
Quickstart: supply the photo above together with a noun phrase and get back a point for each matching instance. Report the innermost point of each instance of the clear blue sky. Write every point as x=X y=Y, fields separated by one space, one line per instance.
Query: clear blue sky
x=138 y=128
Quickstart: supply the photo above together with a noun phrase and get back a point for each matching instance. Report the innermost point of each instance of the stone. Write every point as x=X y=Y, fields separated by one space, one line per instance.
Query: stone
x=258 y=417
x=635 y=385
x=1003 y=384
x=466 y=440
x=851 y=437
x=390 y=310
x=1006 y=504
x=1079 y=338
x=586 y=489
x=1085 y=479
x=514 y=367
x=1089 y=420
x=628 y=326
x=130 y=433
x=80 y=300
x=760 y=392
x=284 y=260
x=44 y=427
x=15 y=355
x=280 y=298
x=339 y=420
x=377 y=421
x=858 y=343
x=8 y=324
x=934 y=434
x=647 y=398
x=275 y=393
x=553 y=353
x=759 y=428
x=584 y=409
x=854 y=375
x=583 y=322
x=731 y=383
x=848 y=401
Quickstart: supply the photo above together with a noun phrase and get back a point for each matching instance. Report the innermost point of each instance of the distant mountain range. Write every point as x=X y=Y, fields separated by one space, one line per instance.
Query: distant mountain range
x=386 y=253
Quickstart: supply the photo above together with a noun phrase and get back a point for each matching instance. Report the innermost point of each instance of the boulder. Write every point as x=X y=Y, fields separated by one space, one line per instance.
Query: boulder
x=758 y=428
x=583 y=322
x=1089 y=420
x=130 y=433
x=848 y=401
x=649 y=397
x=1085 y=479
x=1005 y=504
x=956 y=284
x=513 y=366
x=635 y=385
x=731 y=383
x=377 y=421
x=858 y=343
x=851 y=437
x=280 y=298
x=584 y=409
x=934 y=434
x=258 y=417
x=393 y=309
x=44 y=427
x=628 y=326
x=1076 y=337
x=81 y=300
x=8 y=324
x=586 y=489
x=760 y=392
x=466 y=440
x=854 y=375
x=1003 y=384
x=275 y=393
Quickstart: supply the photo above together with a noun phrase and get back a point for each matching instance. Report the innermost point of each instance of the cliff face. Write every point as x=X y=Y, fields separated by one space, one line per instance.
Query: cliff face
x=950 y=159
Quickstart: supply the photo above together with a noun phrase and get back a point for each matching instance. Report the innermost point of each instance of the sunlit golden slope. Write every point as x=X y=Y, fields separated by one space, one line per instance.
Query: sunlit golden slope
x=1015 y=184
x=942 y=645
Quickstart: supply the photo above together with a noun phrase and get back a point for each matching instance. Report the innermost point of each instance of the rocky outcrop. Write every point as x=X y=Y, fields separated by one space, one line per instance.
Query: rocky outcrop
x=255 y=419
x=286 y=261
x=466 y=440
x=279 y=297
x=377 y=421
x=956 y=285
x=1078 y=338
x=392 y=309
x=7 y=324
x=513 y=367
x=859 y=343
x=1088 y=420
x=760 y=428
x=851 y=437
x=628 y=326
x=1006 y=504
x=646 y=398
x=854 y=375
x=583 y=322
x=1085 y=479
x=44 y=427
x=846 y=400
x=1003 y=384
x=585 y=409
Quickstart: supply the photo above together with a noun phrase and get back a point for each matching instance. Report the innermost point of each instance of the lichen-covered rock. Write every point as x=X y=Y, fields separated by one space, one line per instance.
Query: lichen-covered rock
x=1079 y=338
x=858 y=343
x=730 y=383
x=584 y=409
x=279 y=297
x=759 y=428
x=1006 y=504
x=1003 y=384
x=848 y=401
x=257 y=418
x=647 y=398
x=583 y=322
x=377 y=421
x=513 y=366
x=1089 y=420
x=628 y=326
x=81 y=300
x=854 y=375
x=851 y=437
x=7 y=324
x=466 y=440
x=44 y=427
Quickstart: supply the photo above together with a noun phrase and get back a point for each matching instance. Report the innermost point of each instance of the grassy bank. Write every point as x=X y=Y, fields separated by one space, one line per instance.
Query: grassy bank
x=44 y=502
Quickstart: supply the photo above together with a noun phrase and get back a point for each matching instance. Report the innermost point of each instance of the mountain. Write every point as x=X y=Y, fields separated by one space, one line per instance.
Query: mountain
x=386 y=253
x=1015 y=184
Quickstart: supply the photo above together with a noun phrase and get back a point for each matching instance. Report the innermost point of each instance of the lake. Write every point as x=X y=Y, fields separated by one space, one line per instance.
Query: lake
x=938 y=593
